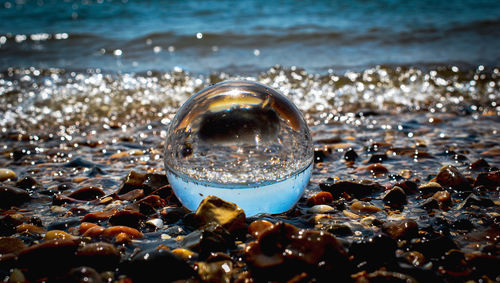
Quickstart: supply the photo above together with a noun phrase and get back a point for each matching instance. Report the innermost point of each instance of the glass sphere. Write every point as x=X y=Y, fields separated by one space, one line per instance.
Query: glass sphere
x=243 y=142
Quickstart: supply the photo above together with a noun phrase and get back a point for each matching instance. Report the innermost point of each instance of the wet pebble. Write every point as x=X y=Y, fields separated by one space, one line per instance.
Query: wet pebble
x=443 y=198
x=12 y=196
x=87 y=193
x=149 y=265
x=60 y=252
x=362 y=206
x=401 y=229
x=127 y=218
x=29 y=183
x=356 y=189
x=395 y=198
x=321 y=208
x=7 y=174
x=450 y=177
x=490 y=180
x=11 y=245
x=479 y=164
x=216 y=210
x=57 y=235
x=320 y=198
x=284 y=251
x=212 y=238
x=115 y=230
x=257 y=227
x=100 y=255
x=429 y=189
x=350 y=155
x=83 y=274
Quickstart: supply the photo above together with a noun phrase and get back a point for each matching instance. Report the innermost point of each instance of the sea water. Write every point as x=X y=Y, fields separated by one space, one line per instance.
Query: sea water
x=243 y=142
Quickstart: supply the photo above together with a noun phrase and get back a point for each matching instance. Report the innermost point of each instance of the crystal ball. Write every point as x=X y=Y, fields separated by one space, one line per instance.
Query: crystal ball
x=243 y=142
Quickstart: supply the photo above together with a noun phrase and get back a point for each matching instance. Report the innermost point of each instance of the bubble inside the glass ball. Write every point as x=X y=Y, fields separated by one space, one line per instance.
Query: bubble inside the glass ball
x=243 y=142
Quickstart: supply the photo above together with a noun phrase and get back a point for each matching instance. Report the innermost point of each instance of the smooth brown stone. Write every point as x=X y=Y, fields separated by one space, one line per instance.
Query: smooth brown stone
x=48 y=258
x=490 y=180
x=87 y=193
x=115 y=230
x=93 y=232
x=100 y=255
x=356 y=189
x=283 y=251
x=133 y=195
x=362 y=206
x=479 y=164
x=127 y=218
x=7 y=174
x=99 y=216
x=450 y=177
x=84 y=226
x=12 y=196
x=258 y=227
x=401 y=229
x=443 y=198
x=57 y=235
x=320 y=198
x=395 y=198
x=30 y=228
x=216 y=210
x=11 y=245
x=375 y=169
x=154 y=201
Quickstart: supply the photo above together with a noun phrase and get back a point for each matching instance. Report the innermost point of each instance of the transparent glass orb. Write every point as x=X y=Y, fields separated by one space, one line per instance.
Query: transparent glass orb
x=243 y=142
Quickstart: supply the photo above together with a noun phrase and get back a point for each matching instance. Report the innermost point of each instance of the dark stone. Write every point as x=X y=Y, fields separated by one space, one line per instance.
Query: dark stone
x=401 y=229
x=374 y=252
x=12 y=196
x=430 y=204
x=479 y=164
x=8 y=225
x=409 y=187
x=490 y=180
x=80 y=162
x=339 y=229
x=473 y=199
x=450 y=177
x=484 y=264
x=350 y=155
x=65 y=186
x=83 y=274
x=395 y=198
x=29 y=184
x=54 y=257
x=145 y=181
x=127 y=218
x=153 y=264
x=378 y=158
x=284 y=251
x=101 y=256
x=212 y=238
x=173 y=214
x=386 y=276
x=87 y=193
x=319 y=156
x=59 y=199
x=434 y=248
x=356 y=189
